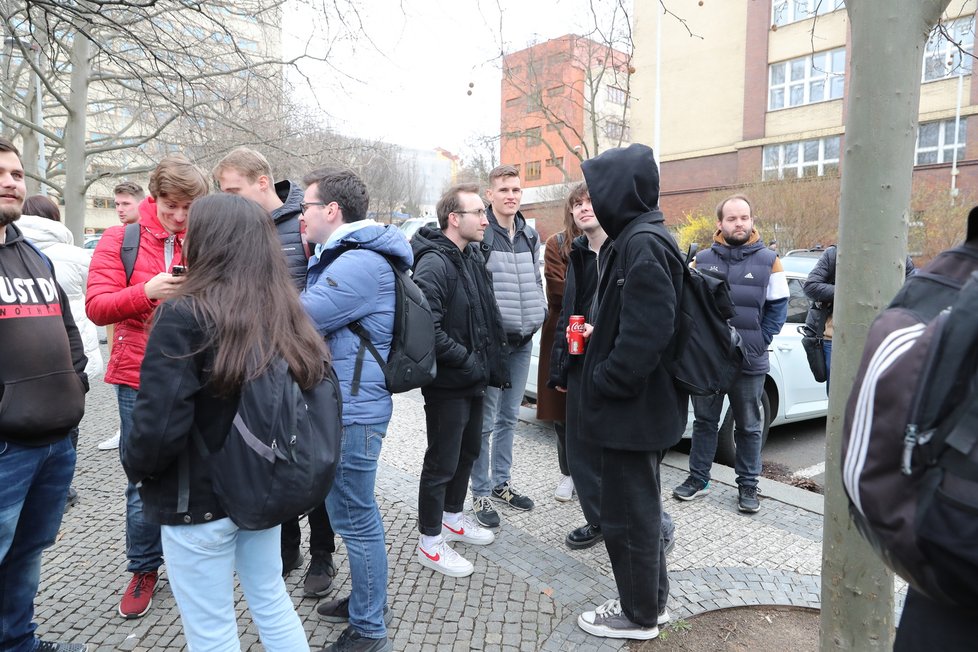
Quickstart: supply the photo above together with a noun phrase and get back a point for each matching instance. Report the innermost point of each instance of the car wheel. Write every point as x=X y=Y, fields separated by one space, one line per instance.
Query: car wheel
x=726 y=446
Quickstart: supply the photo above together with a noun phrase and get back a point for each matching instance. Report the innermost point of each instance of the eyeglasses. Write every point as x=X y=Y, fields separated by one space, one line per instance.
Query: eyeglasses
x=480 y=212
x=303 y=206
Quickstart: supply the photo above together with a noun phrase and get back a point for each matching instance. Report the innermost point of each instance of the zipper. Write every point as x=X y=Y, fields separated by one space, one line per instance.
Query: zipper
x=911 y=436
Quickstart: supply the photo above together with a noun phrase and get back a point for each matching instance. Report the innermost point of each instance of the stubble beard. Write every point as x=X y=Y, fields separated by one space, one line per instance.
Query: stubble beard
x=8 y=216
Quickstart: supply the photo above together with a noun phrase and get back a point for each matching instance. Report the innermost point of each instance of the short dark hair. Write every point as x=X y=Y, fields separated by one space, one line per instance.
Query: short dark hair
x=343 y=186
x=130 y=188
x=450 y=203
x=729 y=199
x=7 y=146
x=41 y=206
x=503 y=171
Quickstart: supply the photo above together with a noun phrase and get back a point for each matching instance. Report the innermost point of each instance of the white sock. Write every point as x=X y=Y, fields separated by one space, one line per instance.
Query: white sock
x=453 y=519
x=429 y=542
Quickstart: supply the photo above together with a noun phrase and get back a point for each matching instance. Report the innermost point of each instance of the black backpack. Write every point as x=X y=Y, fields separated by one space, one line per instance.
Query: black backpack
x=411 y=361
x=706 y=352
x=910 y=463
x=278 y=460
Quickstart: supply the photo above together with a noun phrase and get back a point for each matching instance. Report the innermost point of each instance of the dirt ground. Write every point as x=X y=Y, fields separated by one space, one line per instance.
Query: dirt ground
x=743 y=629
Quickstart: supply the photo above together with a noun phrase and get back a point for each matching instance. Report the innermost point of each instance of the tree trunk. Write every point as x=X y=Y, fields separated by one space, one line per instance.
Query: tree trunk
x=75 y=158
x=886 y=54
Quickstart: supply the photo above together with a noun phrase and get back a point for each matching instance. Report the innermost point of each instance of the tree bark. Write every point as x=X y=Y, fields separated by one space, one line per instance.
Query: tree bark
x=885 y=60
x=75 y=155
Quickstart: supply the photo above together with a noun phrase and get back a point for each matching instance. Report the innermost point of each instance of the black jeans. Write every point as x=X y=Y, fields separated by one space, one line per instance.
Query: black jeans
x=926 y=625
x=583 y=458
x=321 y=536
x=560 y=429
x=631 y=521
x=454 y=439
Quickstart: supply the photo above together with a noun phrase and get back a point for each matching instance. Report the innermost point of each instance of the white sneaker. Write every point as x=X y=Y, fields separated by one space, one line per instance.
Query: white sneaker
x=442 y=558
x=565 y=489
x=467 y=531
x=111 y=442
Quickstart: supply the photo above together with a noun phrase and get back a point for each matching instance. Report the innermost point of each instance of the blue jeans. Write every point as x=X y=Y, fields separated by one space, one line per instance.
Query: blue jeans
x=499 y=415
x=33 y=487
x=143 y=546
x=201 y=561
x=827 y=352
x=355 y=516
x=745 y=401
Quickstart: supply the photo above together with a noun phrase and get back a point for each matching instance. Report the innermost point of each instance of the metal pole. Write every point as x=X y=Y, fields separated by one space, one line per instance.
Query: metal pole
x=42 y=165
x=957 y=128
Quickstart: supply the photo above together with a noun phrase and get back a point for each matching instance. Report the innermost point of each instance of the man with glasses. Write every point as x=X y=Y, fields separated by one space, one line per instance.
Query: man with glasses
x=451 y=272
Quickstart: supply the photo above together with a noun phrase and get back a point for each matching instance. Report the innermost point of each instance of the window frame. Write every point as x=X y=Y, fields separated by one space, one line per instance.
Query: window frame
x=939 y=49
x=779 y=171
x=944 y=151
x=813 y=74
x=533 y=170
x=789 y=14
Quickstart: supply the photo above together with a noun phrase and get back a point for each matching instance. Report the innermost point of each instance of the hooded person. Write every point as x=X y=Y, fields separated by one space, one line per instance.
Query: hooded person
x=630 y=408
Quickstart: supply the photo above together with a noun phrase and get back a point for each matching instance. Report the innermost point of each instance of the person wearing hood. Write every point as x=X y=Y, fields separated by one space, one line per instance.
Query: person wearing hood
x=759 y=290
x=451 y=271
x=351 y=279
x=247 y=173
x=630 y=409
x=129 y=303
x=43 y=385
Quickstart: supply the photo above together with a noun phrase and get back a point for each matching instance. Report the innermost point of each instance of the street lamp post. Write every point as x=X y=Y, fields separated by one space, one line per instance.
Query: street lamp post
x=957 y=129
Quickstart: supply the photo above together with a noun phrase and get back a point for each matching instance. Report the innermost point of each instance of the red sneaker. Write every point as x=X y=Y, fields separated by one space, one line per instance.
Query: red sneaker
x=138 y=597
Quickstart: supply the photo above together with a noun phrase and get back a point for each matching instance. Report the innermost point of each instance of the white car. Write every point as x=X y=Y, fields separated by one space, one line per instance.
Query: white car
x=411 y=225
x=790 y=391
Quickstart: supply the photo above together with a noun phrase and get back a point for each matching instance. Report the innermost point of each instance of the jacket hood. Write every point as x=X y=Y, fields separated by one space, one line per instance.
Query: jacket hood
x=44 y=232
x=623 y=184
x=14 y=235
x=427 y=239
x=151 y=223
x=291 y=195
x=385 y=239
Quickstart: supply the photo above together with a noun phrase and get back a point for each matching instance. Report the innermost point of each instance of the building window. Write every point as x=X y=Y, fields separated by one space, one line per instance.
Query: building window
x=791 y=11
x=554 y=91
x=936 y=142
x=557 y=162
x=103 y=202
x=532 y=170
x=617 y=130
x=514 y=102
x=944 y=58
x=807 y=158
x=616 y=95
x=814 y=78
x=532 y=137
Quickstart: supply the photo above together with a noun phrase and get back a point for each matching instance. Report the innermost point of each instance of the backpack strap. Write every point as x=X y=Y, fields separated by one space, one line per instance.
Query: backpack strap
x=130 y=249
x=361 y=332
x=40 y=253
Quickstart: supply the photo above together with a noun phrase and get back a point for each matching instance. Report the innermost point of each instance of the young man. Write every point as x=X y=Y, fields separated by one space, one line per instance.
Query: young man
x=128 y=196
x=247 y=173
x=468 y=332
x=634 y=413
x=129 y=304
x=350 y=280
x=759 y=290
x=43 y=370
x=513 y=249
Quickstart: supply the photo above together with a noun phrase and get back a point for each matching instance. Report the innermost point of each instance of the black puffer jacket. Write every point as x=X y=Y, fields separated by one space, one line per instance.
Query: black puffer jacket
x=629 y=401
x=289 y=230
x=469 y=337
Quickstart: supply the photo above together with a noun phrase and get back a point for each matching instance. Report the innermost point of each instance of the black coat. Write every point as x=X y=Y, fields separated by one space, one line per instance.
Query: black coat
x=173 y=397
x=469 y=336
x=629 y=401
x=289 y=229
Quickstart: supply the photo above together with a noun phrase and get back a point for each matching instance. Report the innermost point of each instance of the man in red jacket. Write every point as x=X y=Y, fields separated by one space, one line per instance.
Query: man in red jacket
x=111 y=299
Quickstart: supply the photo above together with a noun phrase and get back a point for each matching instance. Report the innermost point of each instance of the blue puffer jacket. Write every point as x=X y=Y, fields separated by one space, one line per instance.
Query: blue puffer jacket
x=346 y=285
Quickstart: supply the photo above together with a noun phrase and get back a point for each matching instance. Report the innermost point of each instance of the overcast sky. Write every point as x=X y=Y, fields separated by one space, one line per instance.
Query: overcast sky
x=405 y=78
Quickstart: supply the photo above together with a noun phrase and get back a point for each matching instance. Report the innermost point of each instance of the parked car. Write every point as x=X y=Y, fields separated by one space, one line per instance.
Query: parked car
x=91 y=240
x=409 y=226
x=790 y=391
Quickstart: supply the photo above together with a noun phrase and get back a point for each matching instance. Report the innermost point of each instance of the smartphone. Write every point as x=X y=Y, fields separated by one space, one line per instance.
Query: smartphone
x=178 y=270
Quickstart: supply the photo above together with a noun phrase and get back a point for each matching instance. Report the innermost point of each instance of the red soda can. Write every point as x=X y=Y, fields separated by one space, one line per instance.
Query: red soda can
x=575 y=335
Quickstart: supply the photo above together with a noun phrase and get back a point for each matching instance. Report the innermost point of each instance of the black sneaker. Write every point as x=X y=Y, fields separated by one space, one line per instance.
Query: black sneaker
x=691 y=489
x=48 y=646
x=484 y=512
x=72 y=499
x=338 y=611
x=748 y=500
x=351 y=641
x=319 y=577
x=291 y=559
x=505 y=493
x=583 y=537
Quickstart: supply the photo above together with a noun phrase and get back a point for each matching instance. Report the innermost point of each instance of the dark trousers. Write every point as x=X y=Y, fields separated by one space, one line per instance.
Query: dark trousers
x=454 y=440
x=927 y=626
x=560 y=429
x=631 y=521
x=320 y=533
x=583 y=458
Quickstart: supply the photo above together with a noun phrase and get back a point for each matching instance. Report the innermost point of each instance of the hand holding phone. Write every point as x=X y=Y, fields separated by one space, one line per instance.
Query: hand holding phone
x=178 y=270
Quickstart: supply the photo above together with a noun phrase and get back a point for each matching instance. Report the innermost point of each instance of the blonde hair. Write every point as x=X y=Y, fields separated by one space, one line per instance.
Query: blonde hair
x=248 y=162
x=177 y=178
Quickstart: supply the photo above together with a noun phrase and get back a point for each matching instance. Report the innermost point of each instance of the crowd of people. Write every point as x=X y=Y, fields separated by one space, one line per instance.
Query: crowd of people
x=180 y=282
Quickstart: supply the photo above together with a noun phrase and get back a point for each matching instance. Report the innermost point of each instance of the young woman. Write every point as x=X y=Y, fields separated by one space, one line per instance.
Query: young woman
x=236 y=311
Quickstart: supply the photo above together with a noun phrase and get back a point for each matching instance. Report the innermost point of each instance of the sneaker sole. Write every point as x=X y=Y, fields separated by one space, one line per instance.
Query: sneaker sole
x=635 y=634
x=664 y=618
x=573 y=545
x=445 y=571
x=503 y=501
x=563 y=499
x=749 y=510
x=488 y=525
x=701 y=492
x=139 y=615
x=317 y=594
x=475 y=542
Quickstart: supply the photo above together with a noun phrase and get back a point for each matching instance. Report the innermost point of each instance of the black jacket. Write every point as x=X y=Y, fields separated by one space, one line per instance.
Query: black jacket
x=289 y=230
x=173 y=398
x=629 y=401
x=469 y=337
x=820 y=285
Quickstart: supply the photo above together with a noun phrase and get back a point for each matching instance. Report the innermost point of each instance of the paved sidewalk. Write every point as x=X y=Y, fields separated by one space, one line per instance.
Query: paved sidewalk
x=528 y=587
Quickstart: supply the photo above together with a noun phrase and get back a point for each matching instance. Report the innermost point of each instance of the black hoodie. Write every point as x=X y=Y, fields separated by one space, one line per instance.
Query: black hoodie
x=42 y=377
x=629 y=401
x=469 y=336
x=289 y=228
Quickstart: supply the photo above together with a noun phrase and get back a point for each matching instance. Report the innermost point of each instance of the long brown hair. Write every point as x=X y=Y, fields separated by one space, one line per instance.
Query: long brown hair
x=570 y=229
x=238 y=284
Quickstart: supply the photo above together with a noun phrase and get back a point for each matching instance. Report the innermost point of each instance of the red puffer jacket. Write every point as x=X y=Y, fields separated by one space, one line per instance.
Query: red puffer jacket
x=110 y=301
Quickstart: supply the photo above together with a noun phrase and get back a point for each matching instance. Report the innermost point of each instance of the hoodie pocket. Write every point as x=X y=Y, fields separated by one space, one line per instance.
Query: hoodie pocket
x=42 y=406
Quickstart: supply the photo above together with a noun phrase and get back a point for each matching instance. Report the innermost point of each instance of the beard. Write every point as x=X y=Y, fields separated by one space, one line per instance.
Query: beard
x=737 y=240
x=8 y=215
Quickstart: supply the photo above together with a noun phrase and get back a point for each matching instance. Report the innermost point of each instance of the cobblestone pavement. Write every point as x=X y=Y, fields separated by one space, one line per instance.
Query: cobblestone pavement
x=528 y=587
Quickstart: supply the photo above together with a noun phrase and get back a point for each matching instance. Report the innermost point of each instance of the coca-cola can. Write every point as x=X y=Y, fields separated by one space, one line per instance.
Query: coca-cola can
x=575 y=335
